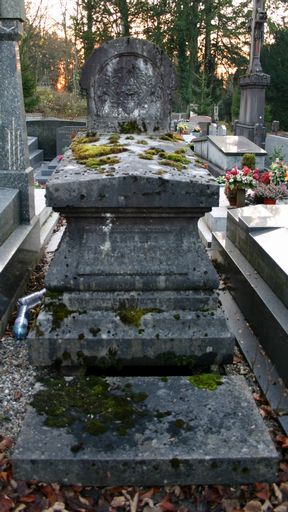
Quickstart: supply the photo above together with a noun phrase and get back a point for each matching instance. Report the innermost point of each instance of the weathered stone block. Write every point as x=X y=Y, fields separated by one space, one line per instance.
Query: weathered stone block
x=172 y=433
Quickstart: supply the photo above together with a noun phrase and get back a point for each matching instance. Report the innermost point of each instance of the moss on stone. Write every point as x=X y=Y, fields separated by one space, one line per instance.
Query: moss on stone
x=142 y=142
x=206 y=381
x=175 y=157
x=145 y=156
x=53 y=295
x=114 y=138
x=172 y=137
x=75 y=448
x=130 y=127
x=164 y=379
x=130 y=137
x=87 y=139
x=172 y=359
x=94 y=331
x=94 y=163
x=179 y=423
x=66 y=356
x=169 y=163
x=81 y=336
x=175 y=463
x=90 y=402
x=59 y=312
x=176 y=316
x=83 y=152
x=134 y=316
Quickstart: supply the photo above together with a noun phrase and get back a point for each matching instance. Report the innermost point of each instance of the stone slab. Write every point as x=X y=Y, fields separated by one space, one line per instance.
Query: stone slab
x=234 y=144
x=104 y=339
x=219 y=438
x=261 y=236
x=133 y=182
x=264 y=311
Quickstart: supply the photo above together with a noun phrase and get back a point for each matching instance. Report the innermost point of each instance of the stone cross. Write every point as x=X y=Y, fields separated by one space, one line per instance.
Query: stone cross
x=257 y=35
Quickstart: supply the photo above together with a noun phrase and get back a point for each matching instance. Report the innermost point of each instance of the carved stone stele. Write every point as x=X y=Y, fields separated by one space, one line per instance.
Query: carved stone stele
x=128 y=82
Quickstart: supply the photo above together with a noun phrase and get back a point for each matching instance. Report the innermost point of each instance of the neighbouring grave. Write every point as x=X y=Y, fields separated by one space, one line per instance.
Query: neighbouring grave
x=253 y=85
x=131 y=291
x=224 y=152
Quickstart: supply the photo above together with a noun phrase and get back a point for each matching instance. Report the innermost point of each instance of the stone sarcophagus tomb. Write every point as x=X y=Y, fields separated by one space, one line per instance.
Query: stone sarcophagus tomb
x=131 y=291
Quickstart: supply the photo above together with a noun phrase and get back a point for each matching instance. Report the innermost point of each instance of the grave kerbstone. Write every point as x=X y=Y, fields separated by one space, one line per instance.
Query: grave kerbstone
x=129 y=83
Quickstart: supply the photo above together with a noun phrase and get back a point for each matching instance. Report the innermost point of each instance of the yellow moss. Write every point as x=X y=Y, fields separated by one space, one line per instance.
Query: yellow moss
x=87 y=139
x=146 y=156
x=84 y=152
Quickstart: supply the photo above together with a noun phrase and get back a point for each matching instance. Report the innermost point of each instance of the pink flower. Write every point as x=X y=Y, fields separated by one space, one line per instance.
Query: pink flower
x=59 y=158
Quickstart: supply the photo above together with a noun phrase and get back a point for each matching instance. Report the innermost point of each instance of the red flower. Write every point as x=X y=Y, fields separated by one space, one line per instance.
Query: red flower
x=265 y=177
x=246 y=170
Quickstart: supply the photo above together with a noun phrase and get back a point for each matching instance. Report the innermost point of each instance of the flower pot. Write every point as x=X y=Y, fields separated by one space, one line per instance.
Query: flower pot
x=235 y=196
x=269 y=200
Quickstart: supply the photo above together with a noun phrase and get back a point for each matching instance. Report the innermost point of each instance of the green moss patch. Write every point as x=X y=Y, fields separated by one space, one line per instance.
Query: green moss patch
x=205 y=381
x=130 y=127
x=114 y=138
x=134 y=316
x=94 y=163
x=172 y=137
x=59 y=313
x=169 y=163
x=91 y=403
x=145 y=156
x=84 y=151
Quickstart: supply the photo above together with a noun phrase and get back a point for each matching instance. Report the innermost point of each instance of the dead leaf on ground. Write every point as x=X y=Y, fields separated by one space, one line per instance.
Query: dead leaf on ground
x=118 y=502
x=6 y=504
x=282 y=508
x=262 y=491
x=231 y=505
x=5 y=443
x=253 y=506
x=282 y=440
x=277 y=492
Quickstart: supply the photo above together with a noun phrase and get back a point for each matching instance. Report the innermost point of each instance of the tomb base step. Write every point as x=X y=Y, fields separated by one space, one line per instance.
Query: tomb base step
x=170 y=432
x=107 y=338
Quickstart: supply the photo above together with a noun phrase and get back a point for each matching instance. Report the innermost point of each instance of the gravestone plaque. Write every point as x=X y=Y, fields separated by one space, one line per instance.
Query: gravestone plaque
x=129 y=83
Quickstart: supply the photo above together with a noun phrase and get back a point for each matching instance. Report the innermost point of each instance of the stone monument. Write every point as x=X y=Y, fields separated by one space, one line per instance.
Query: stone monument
x=133 y=294
x=253 y=85
x=129 y=83
x=15 y=171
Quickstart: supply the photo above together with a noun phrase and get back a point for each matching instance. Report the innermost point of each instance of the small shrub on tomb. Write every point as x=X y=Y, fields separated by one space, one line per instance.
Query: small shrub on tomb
x=249 y=160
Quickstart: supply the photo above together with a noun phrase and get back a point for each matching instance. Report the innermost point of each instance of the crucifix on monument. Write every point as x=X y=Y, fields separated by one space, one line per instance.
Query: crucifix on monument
x=254 y=83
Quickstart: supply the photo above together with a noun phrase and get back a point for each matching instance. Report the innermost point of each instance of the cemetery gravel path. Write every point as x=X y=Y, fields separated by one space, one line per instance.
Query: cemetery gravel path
x=17 y=378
